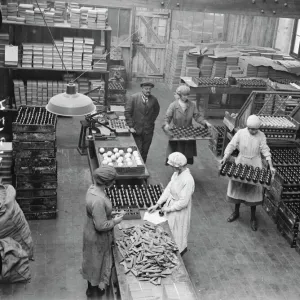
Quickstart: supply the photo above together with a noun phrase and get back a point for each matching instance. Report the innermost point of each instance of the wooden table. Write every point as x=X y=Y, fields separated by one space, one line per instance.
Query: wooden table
x=179 y=276
x=121 y=141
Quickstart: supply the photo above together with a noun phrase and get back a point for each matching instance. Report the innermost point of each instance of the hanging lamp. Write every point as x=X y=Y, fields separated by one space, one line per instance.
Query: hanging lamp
x=71 y=103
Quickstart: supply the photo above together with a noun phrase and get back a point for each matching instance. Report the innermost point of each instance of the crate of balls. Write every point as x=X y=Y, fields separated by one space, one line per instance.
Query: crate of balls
x=120 y=126
x=189 y=133
x=247 y=174
x=125 y=160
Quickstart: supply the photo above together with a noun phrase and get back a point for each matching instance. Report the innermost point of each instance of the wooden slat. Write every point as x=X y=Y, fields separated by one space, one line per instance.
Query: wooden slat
x=147 y=59
x=150 y=30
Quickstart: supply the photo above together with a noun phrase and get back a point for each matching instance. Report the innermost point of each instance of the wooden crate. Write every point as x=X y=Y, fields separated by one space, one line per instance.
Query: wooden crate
x=29 y=185
x=36 y=178
x=36 y=170
x=270 y=208
x=35 y=193
x=45 y=215
x=35 y=162
x=34 y=136
x=20 y=146
x=41 y=204
x=35 y=153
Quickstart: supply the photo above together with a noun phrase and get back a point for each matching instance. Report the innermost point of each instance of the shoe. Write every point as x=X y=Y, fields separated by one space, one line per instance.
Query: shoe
x=89 y=292
x=253 y=225
x=233 y=217
x=101 y=292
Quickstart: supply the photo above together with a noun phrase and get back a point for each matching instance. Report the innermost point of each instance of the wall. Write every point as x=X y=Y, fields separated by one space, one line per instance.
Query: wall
x=196 y=26
x=250 y=30
x=284 y=35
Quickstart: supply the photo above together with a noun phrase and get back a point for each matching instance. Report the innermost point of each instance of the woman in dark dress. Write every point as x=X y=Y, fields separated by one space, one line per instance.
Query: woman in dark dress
x=182 y=112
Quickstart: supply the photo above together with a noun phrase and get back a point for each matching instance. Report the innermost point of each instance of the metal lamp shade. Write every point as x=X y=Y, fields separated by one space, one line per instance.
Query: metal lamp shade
x=71 y=103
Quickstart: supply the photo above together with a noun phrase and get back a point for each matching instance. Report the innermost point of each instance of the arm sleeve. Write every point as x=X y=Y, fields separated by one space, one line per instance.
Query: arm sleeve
x=129 y=111
x=100 y=220
x=156 y=110
x=169 y=114
x=164 y=196
x=264 y=148
x=198 y=115
x=184 y=196
x=232 y=145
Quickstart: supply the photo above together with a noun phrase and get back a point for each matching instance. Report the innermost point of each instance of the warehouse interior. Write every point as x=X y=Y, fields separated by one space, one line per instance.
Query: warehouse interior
x=238 y=58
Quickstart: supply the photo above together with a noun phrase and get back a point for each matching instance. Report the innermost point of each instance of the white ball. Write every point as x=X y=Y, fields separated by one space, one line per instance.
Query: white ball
x=129 y=163
x=111 y=164
x=109 y=153
x=127 y=155
x=139 y=163
x=109 y=159
x=113 y=157
x=120 y=164
x=121 y=152
x=117 y=155
x=129 y=150
x=128 y=159
x=104 y=154
x=120 y=159
x=116 y=150
x=101 y=150
x=104 y=162
x=135 y=153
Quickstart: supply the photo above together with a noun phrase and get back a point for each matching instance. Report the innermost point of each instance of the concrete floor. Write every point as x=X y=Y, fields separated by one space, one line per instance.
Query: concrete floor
x=225 y=261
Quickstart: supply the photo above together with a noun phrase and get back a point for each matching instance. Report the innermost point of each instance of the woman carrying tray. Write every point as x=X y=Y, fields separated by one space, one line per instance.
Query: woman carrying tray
x=182 y=112
x=251 y=143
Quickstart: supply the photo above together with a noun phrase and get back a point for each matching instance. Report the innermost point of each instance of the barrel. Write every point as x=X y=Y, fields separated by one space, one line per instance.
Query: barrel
x=118 y=71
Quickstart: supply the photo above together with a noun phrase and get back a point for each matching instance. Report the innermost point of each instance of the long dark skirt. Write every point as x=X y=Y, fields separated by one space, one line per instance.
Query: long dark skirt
x=188 y=148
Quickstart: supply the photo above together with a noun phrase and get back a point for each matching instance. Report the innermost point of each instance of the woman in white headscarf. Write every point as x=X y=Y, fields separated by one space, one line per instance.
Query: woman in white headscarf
x=251 y=143
x=178 y=198
x=181 y=113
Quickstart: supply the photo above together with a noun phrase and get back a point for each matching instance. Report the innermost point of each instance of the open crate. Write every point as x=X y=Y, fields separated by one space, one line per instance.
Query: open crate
x=264 y=103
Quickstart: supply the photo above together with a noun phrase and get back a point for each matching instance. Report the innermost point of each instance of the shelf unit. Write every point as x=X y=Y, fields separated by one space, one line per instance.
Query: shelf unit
x=17 y=32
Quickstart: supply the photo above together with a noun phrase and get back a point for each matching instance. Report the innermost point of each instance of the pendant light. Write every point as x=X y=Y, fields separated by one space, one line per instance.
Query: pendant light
x=71 y=103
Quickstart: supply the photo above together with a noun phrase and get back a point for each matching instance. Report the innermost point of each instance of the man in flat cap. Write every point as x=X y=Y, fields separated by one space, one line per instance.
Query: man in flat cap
x=141 y=111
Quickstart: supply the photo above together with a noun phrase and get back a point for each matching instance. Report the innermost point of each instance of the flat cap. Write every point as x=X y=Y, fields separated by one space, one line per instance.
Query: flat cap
x=147 y=83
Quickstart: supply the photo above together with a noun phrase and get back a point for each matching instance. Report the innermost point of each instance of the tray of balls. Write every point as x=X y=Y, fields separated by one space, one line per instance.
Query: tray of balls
x=189 y=133
x=125 y=160
x=247 y=174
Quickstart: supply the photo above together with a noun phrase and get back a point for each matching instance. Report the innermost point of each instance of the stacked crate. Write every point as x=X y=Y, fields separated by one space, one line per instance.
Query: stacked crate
x=34 y=151
x=216 y=142
x=6 y=162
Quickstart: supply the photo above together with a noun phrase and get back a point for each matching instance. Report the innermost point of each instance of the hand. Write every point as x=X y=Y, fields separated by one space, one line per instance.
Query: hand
x=132 y=130
x=165 y=209
x=223 y=160
x=208 y=125
x=167 y=127
x=273 y=171
x=118 y=219
x=152 y=209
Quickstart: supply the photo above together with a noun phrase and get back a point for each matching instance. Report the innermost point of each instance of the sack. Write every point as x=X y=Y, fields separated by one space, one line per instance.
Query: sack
x=15 y=262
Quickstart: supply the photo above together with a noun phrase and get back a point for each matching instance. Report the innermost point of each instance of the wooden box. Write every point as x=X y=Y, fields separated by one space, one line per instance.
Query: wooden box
x=38 y=153
x=270 y=208
x=35 y=193
x=34 y=136
x=19 y=146
x=45 y=215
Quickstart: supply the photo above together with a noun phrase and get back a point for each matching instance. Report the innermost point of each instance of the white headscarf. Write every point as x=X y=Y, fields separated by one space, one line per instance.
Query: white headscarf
x=253 y=121
x=177 y=159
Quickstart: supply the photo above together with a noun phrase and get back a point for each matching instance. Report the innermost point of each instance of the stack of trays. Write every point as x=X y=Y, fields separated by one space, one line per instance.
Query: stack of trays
x=29 y=17
x=27 y=55
x=99 y=59
x=4 y=11
x=219 y=69
x=48 y=56
x=49 y=17
x=23 y=8
x=92 y=19
x=262 y=71
x=60 y=8
x=34 y=151
x=6 y=162
x=38 y=16
x=12 y=9
x=84 y=15
x=83 y=85
x=38 y=52
x=232 y=61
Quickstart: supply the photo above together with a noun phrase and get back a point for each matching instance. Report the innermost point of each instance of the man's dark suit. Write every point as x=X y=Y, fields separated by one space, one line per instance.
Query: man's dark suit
x=141 y=117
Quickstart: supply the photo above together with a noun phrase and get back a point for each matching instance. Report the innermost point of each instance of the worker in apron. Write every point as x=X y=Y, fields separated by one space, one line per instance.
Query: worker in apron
x=182 y=112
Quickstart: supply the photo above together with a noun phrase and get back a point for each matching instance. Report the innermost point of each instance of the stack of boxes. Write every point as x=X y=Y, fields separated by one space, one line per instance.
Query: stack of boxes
x=34 y=151
x=116 y=53
x=48 y=56
x=83 y=85
x=68 y=52
x=4 y=40
x=75 y=17
x=4 y=11
x=32 y=92
x=38 y=51
x=57 y=55
x=6 y=162
x=99 y=59
x=23 y=8
x=92 y=19
x=38 y=16
x=12 y=9
x=102 y=14
x=49 y=17
x=97 y=96
x=19 y=92
x=60 y=8
x=219 y=68
x=88 y=53
x=77 y=53
x=84 y=15
x=29 y=17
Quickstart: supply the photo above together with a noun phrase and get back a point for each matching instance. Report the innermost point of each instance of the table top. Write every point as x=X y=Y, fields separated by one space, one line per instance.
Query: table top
x=179 y=277
x=120 y=141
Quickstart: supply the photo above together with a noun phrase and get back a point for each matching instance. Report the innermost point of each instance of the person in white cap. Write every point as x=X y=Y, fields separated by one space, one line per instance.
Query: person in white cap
x=251 y=143
x=182 y=112
x=177 y=197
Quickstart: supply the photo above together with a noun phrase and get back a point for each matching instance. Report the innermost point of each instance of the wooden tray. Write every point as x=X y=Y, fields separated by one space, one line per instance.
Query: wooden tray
x=126 y=169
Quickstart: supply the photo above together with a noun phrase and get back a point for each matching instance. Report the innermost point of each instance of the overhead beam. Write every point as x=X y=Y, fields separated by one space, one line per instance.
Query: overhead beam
x=274 y=8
